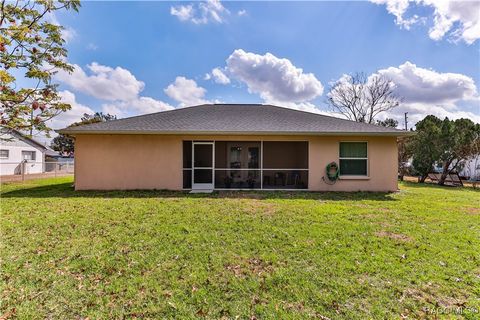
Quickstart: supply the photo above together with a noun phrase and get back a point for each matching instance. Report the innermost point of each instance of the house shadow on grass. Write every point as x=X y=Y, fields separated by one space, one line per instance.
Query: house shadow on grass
x=65 y=190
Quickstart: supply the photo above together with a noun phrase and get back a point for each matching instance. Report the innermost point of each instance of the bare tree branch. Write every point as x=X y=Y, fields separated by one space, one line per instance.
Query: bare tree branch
x=361 y=98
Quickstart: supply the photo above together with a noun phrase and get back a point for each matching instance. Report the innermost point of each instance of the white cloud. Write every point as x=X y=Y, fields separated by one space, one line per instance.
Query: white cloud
x=182 y=12
x=201 y=12
x=418 y=111
x=148 y=105
x=103 y=82
x=186 y=92
x=67 y=33
x=114 y=109
x=218 y=76
x=117 y=85
x=419 y=85
x=241 y=12
x=66 y=118
x=457 y=19
x=449 y=13
x=427 y=92
x=398 y=9
x=273 y=78
x=140 y=105
x=304 y=106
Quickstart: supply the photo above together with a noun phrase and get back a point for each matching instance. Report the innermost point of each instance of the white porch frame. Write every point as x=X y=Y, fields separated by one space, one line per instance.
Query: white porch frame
x=203 y=186
x=261 y=169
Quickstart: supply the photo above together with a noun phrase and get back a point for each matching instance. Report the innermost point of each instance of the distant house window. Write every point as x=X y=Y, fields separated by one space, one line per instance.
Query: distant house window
x=4 y=154
x=29 y=155
x=353 y=159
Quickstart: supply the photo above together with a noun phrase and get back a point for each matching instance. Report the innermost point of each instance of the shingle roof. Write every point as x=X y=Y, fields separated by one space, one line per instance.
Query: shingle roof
x=23 y=137
x=233 y=119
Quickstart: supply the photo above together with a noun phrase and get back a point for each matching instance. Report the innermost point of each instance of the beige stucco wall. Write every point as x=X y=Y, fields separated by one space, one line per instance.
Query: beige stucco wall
x=106 y=162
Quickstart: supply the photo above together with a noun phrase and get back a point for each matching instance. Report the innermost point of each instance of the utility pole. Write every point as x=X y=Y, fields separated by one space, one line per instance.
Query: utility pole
x=406 y=121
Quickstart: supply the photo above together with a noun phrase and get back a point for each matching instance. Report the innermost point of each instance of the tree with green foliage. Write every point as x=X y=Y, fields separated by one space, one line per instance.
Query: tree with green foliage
x=449 y=142
x=65 y=144
x=405 y=152
x=460 y=141
x=388 y=122
x=31 y=47
x=94 y=118
x=426 y=146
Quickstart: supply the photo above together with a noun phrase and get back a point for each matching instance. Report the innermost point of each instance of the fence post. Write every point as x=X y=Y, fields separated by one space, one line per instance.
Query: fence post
x=55 y=165
x=22 y=168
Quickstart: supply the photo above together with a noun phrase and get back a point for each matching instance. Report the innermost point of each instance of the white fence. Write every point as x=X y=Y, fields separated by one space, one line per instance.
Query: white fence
x=14 y=171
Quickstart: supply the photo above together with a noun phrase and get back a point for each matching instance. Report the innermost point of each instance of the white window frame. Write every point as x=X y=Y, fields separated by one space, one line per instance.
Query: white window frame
x=8 y=153
x=350 y=158
x=33 y=155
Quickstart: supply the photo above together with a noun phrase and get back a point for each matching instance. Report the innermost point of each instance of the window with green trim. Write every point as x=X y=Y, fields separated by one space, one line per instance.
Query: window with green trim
x=353 y=159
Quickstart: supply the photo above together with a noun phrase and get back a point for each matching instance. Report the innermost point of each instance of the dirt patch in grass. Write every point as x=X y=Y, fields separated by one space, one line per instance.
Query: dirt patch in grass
x=299 y=307
x=394 y=236
x=259 y=207
x=428 y=296
x=241 y=195
x=472 y=210
x=252 y=266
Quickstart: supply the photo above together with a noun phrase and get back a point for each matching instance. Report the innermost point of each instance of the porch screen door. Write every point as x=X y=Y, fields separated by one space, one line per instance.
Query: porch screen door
x=203 y=163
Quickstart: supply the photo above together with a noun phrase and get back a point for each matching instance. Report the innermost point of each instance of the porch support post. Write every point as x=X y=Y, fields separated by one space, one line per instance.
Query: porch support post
x=193 y=165
x=213 y=165
x=261 y=164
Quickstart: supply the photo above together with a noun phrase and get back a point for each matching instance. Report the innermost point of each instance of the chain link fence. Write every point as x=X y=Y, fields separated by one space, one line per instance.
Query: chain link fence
x=26 y=170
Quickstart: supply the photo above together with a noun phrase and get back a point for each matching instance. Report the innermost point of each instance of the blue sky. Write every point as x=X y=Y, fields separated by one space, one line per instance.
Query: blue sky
x=140 y=57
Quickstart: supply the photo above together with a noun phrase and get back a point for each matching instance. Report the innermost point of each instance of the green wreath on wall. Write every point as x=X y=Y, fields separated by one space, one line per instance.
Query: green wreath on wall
x=332 y=171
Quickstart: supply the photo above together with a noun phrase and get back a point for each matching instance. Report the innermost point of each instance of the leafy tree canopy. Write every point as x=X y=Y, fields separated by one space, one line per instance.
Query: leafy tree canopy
x=448 y=142
x=389 y=122
x=32 y=47
x=65 y=144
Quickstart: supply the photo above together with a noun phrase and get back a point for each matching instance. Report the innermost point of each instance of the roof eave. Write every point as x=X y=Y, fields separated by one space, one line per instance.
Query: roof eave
x=26 y=139
x=249 y=133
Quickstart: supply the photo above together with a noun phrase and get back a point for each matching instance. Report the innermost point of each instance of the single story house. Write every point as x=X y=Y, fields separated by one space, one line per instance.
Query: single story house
x=471 y=169
x=16 y=148
x=234 y=146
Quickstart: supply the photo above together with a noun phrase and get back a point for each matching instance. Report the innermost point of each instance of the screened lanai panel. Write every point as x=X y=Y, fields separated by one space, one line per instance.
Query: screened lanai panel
x=285 y=165
x=187 y=164
x=237 y=154
x=285 y=179
x=285 y=155
x=237 y=179
x=187 y=154
x=237 y=164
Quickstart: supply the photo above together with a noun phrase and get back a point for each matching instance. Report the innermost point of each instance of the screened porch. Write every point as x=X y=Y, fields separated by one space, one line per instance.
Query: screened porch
x=280 y=165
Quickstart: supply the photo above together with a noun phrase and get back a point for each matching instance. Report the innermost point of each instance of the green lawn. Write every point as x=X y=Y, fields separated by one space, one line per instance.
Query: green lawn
x=103 y=255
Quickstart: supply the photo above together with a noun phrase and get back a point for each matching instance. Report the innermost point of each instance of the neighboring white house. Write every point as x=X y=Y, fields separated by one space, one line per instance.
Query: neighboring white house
x=16 y=148
x=472 y=169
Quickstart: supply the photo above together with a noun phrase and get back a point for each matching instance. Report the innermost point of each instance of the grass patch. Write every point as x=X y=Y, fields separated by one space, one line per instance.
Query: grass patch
x=160 y=254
